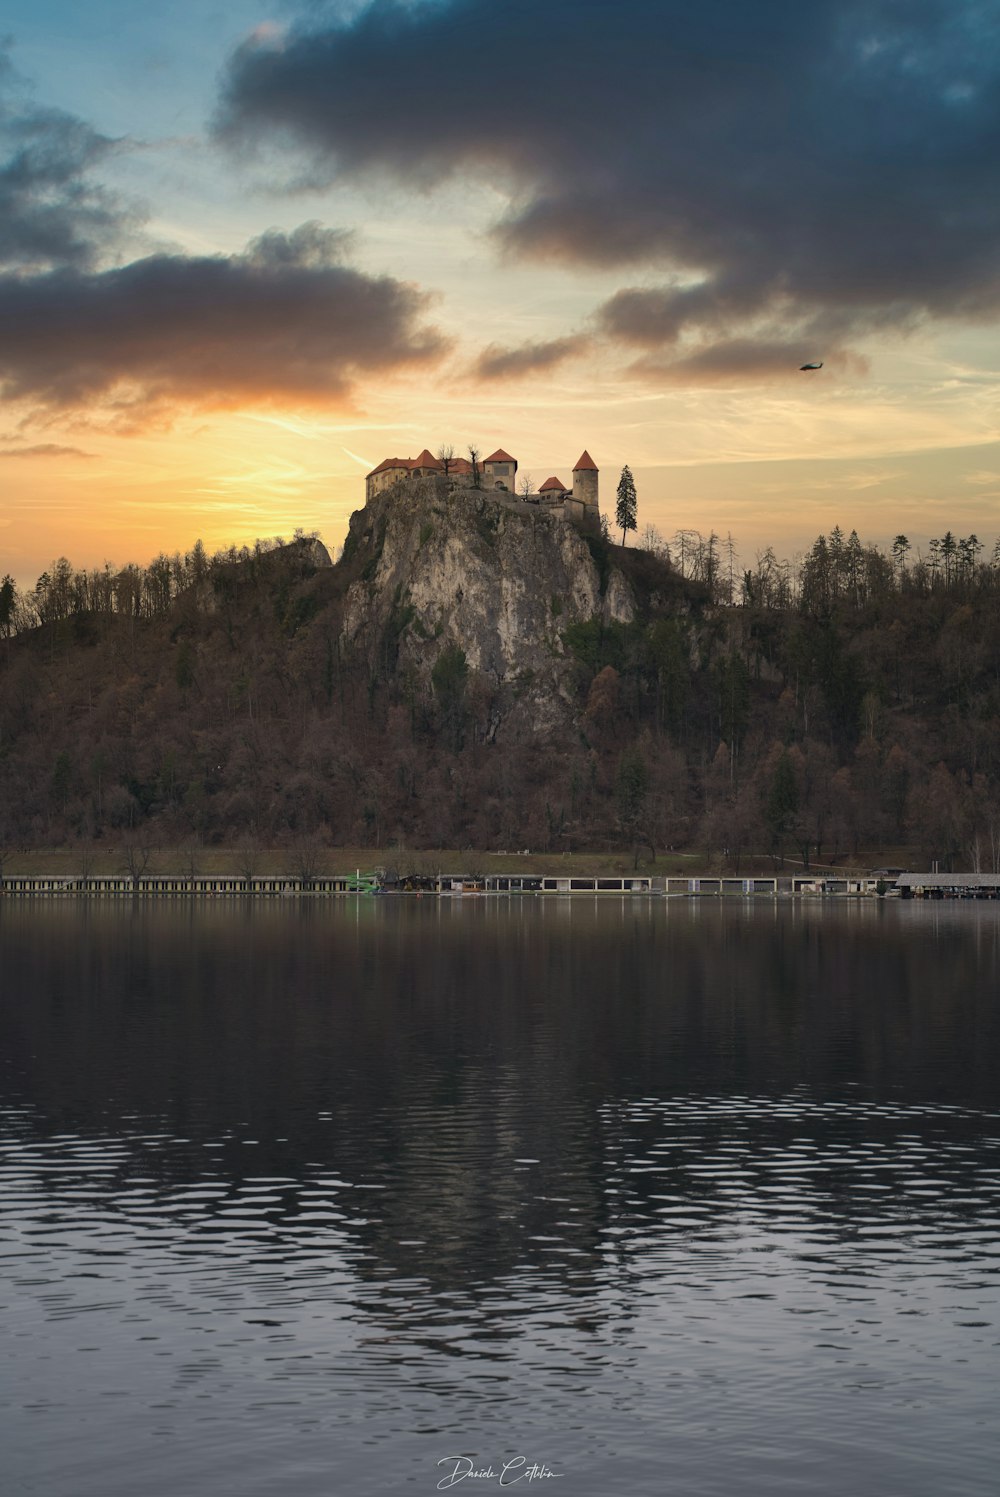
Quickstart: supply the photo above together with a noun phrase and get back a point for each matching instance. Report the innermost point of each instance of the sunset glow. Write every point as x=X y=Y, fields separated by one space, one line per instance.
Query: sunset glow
x=242 y=258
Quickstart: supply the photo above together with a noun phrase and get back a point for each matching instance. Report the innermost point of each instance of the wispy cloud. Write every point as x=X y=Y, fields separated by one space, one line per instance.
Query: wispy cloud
x=44 y=449
x=365 y=462
x=981 y=478
x=496 y=363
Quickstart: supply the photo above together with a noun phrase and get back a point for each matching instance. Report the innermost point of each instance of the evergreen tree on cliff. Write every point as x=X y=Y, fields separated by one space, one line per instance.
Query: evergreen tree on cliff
x=8 y=598
x=626 y=506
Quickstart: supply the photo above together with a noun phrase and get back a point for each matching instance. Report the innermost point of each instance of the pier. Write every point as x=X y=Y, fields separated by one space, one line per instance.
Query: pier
x=280 y=885
x=328 y=885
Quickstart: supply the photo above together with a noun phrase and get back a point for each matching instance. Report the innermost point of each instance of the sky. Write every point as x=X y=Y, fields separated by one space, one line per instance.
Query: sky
x=248 y=250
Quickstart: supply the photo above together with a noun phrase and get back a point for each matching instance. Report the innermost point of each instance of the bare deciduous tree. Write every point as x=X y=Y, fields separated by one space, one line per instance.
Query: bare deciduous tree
x=85 y=863
x=305 y=859
x=190 y=862
x=654 y=542
x=136 y=857
x=248 y=861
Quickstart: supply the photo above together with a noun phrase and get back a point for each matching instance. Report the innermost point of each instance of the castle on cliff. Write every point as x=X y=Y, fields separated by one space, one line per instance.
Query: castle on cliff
x=496 y=475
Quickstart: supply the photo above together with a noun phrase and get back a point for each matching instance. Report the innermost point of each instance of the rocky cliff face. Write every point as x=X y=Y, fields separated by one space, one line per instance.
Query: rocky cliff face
x=494 y=577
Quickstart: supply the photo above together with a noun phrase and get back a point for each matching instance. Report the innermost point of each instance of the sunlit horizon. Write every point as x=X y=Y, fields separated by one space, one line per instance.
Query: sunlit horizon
x=220 y=307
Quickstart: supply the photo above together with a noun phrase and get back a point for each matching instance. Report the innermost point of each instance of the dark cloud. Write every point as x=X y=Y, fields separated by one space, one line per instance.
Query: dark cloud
x=693 y=336
x=739 y=361
x=652 y=317
x=44 y=449
x=832 y=159
x=284 y=319
x=51 y=212
x=531 y=358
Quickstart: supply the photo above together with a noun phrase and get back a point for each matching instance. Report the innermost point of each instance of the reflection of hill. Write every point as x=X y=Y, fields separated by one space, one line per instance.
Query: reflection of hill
x=485 y=1064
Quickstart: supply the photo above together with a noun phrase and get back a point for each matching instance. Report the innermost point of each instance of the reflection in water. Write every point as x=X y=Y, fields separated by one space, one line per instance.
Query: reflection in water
x=296 y=1199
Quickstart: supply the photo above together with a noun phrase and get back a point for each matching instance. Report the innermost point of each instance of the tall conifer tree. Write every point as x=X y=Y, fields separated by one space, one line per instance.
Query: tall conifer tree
x=625 y=510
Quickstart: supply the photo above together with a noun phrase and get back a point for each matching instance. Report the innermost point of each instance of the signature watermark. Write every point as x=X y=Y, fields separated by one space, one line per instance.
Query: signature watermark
x=505 y=1473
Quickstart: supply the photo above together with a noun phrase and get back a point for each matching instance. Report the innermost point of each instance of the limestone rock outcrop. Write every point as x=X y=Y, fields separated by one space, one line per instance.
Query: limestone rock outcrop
x=499 y=579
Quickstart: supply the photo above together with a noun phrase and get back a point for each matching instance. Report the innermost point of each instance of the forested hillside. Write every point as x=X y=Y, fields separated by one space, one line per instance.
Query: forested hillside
x=835 y=710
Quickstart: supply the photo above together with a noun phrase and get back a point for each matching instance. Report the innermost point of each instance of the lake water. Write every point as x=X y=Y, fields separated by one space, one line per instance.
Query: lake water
x=364 y=1196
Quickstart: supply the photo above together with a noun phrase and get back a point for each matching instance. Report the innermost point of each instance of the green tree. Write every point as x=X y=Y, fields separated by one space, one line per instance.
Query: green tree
x=631 y=789
x=8 y=598
x=556 y=824
x=836 y=550
x=900 y=547
x=732 y=684
x=449 y=678
x=949 y=552
x=968 y=551
x=815 y=579
x=782 y=803
x=184 y=665
x=61 y=777
x=670 y=660
x=854 y=567
x=625 y=509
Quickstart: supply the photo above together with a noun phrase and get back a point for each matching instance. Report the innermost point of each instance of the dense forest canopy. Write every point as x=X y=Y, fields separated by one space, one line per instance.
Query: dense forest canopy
x=840 y=707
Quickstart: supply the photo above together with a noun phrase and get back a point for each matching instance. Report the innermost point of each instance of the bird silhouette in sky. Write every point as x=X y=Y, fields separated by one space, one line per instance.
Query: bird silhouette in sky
x=811 y=366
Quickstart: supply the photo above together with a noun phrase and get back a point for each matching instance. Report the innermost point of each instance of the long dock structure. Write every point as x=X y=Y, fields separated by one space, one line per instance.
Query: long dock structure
x=691 y=886
x=278 y=885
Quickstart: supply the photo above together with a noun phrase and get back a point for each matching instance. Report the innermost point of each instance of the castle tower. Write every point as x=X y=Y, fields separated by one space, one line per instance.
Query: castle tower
x=585 y=485
x=499 y=470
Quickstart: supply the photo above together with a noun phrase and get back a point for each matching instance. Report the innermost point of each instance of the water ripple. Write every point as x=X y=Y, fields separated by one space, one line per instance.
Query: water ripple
x=494 y=1214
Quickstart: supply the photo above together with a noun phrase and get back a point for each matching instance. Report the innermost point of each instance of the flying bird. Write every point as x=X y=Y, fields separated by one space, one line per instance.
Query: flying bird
x=811 y=366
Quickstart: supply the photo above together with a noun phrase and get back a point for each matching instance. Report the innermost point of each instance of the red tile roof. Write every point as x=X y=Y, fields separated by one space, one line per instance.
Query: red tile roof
x=553 y=483
x=586 y=461
x=462 y=466
x=390 y=462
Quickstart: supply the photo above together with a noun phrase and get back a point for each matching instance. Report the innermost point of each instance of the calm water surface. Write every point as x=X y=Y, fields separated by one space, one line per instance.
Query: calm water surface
x=665 y=1197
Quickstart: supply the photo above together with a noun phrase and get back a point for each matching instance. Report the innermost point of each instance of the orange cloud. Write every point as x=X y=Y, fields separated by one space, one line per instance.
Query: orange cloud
x=285 y=319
